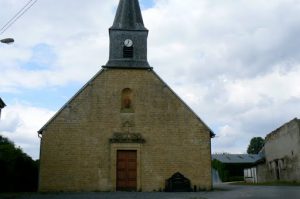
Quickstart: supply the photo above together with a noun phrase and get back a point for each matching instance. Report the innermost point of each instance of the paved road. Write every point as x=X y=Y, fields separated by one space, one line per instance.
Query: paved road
x=223 y=191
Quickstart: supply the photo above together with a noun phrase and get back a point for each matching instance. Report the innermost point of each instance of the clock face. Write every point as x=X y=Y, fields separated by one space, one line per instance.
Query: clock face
x=128 y=43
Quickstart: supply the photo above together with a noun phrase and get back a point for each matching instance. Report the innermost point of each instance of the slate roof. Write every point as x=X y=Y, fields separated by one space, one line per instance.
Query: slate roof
x=2 y=104
x=129 y=16
x=237 y=158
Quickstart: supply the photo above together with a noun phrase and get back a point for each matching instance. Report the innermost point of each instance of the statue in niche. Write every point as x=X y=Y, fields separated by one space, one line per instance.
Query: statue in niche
x=126 y=105
x=127 y=102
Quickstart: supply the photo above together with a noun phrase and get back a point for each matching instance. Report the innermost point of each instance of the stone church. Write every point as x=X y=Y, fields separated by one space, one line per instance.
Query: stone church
x=125 y=130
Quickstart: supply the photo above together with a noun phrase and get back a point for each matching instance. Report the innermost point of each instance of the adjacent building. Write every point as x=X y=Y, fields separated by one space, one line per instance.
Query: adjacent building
x=281 y=161
x=282 y=151
x=230 y=167
x=125 y=129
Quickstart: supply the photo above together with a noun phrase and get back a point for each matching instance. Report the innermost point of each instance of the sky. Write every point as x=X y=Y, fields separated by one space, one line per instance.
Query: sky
x=236 y=63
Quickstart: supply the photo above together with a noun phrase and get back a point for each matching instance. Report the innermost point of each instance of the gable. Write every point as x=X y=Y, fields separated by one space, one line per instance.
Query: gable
x=153 y=96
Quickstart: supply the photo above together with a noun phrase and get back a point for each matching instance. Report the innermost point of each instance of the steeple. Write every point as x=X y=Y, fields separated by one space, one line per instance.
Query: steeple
x=128 y=38
x=129 y=16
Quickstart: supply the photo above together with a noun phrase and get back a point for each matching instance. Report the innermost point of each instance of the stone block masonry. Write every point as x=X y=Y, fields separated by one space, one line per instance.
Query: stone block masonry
x=76 y=149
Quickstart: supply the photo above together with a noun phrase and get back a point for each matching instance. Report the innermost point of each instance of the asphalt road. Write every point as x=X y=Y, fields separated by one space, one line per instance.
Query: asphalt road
x=223 y=191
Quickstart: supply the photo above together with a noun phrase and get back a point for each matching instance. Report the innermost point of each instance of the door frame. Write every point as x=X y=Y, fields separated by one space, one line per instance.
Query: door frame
x=115 y=147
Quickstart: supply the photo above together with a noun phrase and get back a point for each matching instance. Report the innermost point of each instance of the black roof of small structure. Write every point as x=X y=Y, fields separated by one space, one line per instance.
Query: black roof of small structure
x=128 y=16
x=2 y=104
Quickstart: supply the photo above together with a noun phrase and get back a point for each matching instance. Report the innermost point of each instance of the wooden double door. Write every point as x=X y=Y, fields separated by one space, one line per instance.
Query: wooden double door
x=126 y=170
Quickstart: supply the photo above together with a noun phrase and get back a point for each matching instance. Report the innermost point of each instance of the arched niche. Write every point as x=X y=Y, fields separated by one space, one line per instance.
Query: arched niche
x=127 y=101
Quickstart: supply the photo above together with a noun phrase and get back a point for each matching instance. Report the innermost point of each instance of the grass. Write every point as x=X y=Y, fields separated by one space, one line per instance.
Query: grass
x=277 y=183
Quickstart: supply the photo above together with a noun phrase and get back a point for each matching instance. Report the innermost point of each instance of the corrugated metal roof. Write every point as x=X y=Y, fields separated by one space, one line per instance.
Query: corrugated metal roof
x=237 y=158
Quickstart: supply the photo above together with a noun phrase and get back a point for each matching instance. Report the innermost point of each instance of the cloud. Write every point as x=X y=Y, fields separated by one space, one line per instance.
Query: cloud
x=236 y=63
x=241 y=109
x=70 y=39
x=20 y=123
x=236 y=39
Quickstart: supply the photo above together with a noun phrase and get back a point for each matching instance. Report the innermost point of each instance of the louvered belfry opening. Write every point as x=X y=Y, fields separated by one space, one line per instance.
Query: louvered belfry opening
x=127 y=52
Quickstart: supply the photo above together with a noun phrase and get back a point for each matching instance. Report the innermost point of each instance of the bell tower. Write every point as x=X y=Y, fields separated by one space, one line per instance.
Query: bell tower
x=128 y=38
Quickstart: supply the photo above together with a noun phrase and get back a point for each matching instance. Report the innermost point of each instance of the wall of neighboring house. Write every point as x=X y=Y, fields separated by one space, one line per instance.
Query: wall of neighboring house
x=282 y=150
x=263 y=173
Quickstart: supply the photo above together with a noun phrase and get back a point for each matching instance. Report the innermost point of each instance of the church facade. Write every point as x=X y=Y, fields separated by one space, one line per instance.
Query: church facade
x=125 y=130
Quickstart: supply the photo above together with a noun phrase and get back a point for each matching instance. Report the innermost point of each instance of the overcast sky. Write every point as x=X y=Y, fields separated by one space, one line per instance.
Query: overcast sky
x=236 y=63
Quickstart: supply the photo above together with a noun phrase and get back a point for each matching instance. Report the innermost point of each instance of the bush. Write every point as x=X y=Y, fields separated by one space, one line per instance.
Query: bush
x=18 y=172
x=230 y=172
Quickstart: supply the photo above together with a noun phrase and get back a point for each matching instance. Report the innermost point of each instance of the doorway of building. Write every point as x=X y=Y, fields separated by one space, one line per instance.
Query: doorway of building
x=126 y=170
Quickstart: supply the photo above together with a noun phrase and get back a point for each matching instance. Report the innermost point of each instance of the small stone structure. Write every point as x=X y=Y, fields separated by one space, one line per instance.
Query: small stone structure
x=178 y=183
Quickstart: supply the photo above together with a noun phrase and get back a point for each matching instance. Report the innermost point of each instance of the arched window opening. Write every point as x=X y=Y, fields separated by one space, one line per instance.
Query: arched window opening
x=126 y=104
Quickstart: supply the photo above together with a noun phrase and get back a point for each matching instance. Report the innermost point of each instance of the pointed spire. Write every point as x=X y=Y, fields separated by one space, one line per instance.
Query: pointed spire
x=128 y=38
x=129 y=16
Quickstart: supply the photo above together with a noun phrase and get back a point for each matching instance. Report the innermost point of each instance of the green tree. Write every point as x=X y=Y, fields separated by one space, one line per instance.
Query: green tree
x=256 y=144
x=18 y=172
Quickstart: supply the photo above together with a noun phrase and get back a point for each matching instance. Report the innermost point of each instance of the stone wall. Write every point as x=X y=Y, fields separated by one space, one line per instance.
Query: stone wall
x=282 y=149
x=263 y=173
x=76 y=152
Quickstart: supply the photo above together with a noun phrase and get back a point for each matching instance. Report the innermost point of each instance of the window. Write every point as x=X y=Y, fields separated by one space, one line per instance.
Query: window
x=126 y=104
